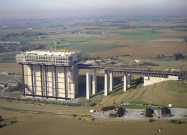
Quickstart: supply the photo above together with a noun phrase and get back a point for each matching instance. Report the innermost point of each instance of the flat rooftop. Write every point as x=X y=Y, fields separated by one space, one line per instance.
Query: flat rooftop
x=49 y=53
x=59 y=58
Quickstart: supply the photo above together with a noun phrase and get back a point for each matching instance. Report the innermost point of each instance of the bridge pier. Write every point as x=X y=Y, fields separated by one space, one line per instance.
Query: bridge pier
x=111 y=81
x=129 y=80
x=88 y=85
x=106 y=85
x=125 y=83
x=94 y=82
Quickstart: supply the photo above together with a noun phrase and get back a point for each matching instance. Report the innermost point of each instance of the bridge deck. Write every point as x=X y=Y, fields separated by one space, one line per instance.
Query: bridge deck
x=134 y=71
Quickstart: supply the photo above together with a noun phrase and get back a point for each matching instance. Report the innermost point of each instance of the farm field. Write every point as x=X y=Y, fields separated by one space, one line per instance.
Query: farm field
x=134 y=38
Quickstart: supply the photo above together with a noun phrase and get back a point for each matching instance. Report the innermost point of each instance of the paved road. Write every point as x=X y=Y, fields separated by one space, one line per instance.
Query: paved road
x=95 y=98
x=135 y=114
x=2 y=91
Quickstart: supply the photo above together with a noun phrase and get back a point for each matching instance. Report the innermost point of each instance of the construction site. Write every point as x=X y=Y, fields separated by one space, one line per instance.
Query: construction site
x=50 y=74
x=54 y=74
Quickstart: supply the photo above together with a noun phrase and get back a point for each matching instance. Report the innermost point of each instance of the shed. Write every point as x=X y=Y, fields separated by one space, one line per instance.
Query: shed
x=4 y=73
x=165 y=111
x=2 y=85
x=149 y=112
x=120 y=112
x=108 y=108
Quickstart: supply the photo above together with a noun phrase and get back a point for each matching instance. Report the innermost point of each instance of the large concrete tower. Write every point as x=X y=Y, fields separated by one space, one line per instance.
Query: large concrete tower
x=50 y=74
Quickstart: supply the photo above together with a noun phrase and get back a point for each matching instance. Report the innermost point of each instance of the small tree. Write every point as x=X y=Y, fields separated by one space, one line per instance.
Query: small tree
x=153 y=31
x=185 y=39
x=1 y=118
x=158 y=56
x=178 y=56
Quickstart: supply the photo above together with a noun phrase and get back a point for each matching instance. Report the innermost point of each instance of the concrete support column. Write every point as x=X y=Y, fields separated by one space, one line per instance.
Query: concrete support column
x=129 y=80
x=106 y=85
x=111 y=81
x=23 y=80
x=88 y=86
x=125 y=83
x=94 y=82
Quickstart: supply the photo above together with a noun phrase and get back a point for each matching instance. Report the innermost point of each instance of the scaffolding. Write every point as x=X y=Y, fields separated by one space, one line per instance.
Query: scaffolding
x=49 y=58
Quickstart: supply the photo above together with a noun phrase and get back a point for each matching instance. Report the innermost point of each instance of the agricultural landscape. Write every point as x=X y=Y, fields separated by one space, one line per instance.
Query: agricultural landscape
x=159 y=42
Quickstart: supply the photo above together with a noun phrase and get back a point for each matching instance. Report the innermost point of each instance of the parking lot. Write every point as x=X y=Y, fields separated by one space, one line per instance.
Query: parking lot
x=138 y=114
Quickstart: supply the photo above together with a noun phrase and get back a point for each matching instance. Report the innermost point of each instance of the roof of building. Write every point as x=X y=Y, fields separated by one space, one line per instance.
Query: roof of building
x=50 y=53
x=59 y=58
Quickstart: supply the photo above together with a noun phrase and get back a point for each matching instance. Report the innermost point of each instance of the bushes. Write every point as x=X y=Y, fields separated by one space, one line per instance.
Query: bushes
x=178 y=56
x=175 y=121
x=19 y=86
x=1 y=118
x=74 y=115
x=151 y=120
x=148 y=64
x=92 y=119
x=93 y=104
x=14 y=121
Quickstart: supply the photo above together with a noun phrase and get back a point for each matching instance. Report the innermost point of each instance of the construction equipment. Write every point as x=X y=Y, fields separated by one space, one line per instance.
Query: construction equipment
x=55 y=50
x=55 y=45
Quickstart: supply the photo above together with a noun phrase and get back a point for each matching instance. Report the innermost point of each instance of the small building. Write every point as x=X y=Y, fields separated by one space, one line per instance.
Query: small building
x=120 y=112
x=4 y=73
x=2 y=85
x=149 y=112
x=138 y=61
x=175 y=70
x=165 y=112
x=108 y=108
x=92 y=62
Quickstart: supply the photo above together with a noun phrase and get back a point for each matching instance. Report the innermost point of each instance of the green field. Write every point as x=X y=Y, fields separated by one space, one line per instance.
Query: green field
x=138 y=107
x=80 y=39
x=140 y=35
x=24 y=39
x=8 y=57
x=92 y=48
x=166 y=58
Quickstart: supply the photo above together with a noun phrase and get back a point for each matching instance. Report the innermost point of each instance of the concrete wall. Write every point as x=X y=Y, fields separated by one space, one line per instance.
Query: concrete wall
x=66 y=81
x=152 y=80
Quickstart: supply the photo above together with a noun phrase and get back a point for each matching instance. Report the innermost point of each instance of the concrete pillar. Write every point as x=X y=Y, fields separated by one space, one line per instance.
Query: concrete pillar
x=94 y=82
x=129 y=80
x=88 y=85
x=106 y=85
x=125 y=83
x=111 y=81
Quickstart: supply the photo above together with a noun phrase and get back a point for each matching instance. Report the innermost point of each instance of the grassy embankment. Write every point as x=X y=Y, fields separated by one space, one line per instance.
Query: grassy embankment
x=162 y=94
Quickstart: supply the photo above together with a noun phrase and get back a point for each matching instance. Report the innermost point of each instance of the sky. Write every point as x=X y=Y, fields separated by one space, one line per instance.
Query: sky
x=89 y=8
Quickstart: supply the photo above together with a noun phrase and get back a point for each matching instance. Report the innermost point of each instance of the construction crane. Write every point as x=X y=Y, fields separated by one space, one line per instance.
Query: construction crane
x=55 y=45
x=58 y=50
x=64 y=49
